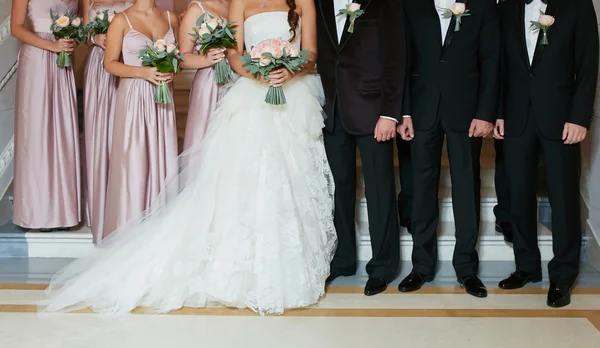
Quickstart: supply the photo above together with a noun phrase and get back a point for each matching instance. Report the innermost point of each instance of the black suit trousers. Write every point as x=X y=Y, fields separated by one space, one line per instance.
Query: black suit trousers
x=378 y=170
x=562 y=165
x=463 y=154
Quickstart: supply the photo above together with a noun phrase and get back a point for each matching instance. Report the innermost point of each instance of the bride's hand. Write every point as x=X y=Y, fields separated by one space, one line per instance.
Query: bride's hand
x=279 y=77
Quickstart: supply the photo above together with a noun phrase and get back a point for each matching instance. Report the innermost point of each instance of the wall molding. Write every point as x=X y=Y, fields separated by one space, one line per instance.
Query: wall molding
x=8 y=75
x=7 y=156
x=5 y=30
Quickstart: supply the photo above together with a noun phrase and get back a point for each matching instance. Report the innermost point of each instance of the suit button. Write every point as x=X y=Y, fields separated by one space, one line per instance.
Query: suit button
x=442 y=61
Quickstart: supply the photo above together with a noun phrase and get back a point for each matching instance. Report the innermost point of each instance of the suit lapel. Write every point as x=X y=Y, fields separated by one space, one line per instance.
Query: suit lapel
x=328 y=13
x=450 y=32
x=346 y=35
x=551 y=10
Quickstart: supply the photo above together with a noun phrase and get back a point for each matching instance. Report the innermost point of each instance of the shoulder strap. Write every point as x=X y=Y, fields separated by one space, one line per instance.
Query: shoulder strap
x=169 y=17
x=199 y=5
x=127 y=19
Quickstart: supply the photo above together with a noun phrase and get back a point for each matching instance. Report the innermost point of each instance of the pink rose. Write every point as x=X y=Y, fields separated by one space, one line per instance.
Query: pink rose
x=546 y=20
x=76 y=22
x=203 y=30
x=458 y=8
x=160 y=45
x=63 y=22
x=171 y=48
x=353 y=7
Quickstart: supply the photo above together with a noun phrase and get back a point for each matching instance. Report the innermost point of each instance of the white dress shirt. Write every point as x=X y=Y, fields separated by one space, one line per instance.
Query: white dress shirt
x=340 y=23
x=442 y=5
x=532 y=13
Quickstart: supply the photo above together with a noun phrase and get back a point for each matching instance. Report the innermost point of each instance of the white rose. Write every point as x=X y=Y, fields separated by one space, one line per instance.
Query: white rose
x=213 y=23
x=353 y=7
x=458 y=8
x=203 y=30
x=546 y=20
x=100 y=15
x=76 y=22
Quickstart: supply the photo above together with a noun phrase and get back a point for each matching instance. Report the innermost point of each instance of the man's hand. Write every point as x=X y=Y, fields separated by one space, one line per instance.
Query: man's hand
x=480 y=128
x=499 y=130
x=407 y=133
x=573 y=133
x=385 y=130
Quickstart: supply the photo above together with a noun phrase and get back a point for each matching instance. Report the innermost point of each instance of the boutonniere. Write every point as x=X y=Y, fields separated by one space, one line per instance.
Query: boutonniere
x=458 y=11
x=543 y=23
x=353 y=11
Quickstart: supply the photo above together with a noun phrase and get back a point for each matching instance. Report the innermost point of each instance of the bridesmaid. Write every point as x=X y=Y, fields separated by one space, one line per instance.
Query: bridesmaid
x=47 y=189
x=100 y=89
x=205 y=91
x=144 y=143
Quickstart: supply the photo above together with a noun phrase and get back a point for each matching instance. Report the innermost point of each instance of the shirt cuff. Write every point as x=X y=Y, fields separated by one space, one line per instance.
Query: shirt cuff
x=406 y=116
x=389 y=118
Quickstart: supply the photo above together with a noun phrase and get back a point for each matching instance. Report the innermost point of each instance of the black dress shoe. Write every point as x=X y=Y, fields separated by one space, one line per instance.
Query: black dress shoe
x=559 y=296
x=506 y=229
x=474 y=286
x=413 y=282
x=406 y=223
x=336 y=274
x=375 y=286
x=519 y=279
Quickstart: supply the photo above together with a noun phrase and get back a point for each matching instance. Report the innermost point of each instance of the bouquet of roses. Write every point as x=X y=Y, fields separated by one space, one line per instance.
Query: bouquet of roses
x=273 y=54
x=211 y=32
x=67 y=26
x=99 y=25
x=165 y=58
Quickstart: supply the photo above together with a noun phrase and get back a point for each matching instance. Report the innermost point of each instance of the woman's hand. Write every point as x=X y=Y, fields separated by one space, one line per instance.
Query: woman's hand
x=63 y=45
x=279 y=77
x=153 y=76
x=100 y=40
x=215 y=55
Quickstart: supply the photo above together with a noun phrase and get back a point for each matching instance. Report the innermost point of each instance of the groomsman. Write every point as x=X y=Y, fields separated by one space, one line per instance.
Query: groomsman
x=453 y=93
x=362 y=63
x=549 y=73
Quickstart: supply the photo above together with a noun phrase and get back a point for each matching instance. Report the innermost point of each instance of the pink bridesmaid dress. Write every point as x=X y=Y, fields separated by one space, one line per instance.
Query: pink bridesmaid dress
x=100 y=94
x=144 y=142
x=47 y=188
x=203 y=101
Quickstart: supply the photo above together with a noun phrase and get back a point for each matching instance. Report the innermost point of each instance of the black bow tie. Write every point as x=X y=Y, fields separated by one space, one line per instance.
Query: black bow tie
x=530 y=1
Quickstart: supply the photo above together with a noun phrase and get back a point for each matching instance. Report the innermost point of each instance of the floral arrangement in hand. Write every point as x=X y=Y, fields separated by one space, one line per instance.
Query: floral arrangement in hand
x=165 y=57
x=543 y=23
x=99 y=25
x=67 y=26
x=215 y=32
x=458 y=11
x=272 y=54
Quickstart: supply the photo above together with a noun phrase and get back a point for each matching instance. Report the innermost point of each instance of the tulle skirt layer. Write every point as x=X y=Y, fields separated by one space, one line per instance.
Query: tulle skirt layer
x=248 y=223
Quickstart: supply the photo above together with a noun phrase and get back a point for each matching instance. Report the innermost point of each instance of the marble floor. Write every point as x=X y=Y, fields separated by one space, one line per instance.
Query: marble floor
x=440 y=315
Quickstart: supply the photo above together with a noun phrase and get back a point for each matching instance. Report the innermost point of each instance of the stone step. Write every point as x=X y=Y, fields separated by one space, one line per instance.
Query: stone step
x=77 y=243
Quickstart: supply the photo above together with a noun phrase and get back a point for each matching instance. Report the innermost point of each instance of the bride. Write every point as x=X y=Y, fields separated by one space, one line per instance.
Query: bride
x=248 y=222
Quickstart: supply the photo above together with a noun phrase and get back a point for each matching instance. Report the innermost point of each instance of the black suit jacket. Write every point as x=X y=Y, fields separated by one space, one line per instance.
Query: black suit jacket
x=458 y=78
x=364 y=73
x=560 y=83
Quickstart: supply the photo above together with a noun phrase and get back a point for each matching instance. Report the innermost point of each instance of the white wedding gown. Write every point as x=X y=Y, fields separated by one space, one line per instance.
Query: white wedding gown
x=248 y=223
